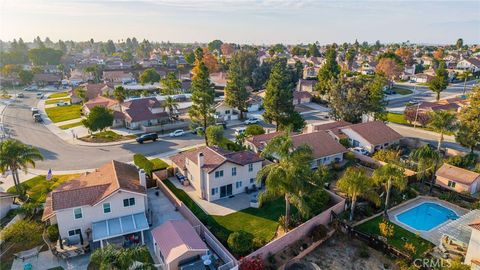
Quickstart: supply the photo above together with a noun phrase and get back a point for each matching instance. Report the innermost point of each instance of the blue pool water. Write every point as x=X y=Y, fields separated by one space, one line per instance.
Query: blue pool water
x=426 y=216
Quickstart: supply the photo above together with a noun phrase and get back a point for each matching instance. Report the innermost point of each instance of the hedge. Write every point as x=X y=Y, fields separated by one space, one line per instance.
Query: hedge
x=143 y=163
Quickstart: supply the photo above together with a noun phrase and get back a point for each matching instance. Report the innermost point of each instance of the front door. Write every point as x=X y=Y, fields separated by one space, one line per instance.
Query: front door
x=225 y=191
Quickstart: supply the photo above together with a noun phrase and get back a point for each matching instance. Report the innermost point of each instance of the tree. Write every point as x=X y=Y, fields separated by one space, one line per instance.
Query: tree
x=459 y=44
x=236 y=94
x=109 y=47
x=313 y=50
x=299 y=51
x=240 y=242
x=25 y=76
x=389 y=176
x=439 y=54
x=215 y=45
x=45 y=56
x=15 y=156
x=23 y=232
x=437 y=85
x=99 y=118
x=149 y=75
x=210 y=61
x=214 y=135
x=389 y=68
x=171 y=85
x=253 y=130
x=252 y=263
x=113 y=258
x=227 y=49
x=291 y=177
x=120 y=94
x=465 y=75
x=189 y=57
x=406 y=55
x=171 y=105
x=278 y=102
x=247 y=63
x=328 y=71
x=81 y=93
x=442 y=122
x=356 y=184
x=469 y=130
x=95 y=70
x=350 y=57
x=203 y=96
x=376 y=103
x=426 y=159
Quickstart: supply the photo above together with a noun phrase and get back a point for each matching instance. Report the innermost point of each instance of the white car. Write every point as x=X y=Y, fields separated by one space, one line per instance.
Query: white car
x=20 y=95
x=251 y=121
x=62 y=103
x=40 y=95
x=360 y=151
x=239 y=131
x=177 y=133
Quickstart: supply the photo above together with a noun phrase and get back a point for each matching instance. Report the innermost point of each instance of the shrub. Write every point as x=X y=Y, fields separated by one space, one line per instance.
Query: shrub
x=143 y=163
x=318 y=232
x=254 y=263
x=52 y=232
x=363 y=252
x=240 y=242
x=254 y=130
x=345 y=142
x=23 y=232
x=386 y=229
x=158 y=164
x=350 y=156
x=410 y=248
x=317 y=200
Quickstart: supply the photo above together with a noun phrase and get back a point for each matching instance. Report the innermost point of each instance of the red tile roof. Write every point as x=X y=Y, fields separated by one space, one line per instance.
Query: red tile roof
x=322 y=144
x=91 y=188
x=457 y=174
x=301 y=94
x=476 y=224
x=375 y=132
x=100 y=101
x=332 y=125
x=140 y=109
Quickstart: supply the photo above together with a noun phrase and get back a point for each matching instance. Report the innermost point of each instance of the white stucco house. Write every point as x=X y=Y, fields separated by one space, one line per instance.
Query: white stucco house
x=6 y=203
x=371 y=136
x=107 y=205
x=216 y=173
x=472 y=64
x=225 y=112
x=473 y=251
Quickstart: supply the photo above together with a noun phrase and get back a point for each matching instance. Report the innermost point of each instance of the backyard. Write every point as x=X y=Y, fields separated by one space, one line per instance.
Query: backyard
x=63 y=113
x=262 y=223
x=400 y=234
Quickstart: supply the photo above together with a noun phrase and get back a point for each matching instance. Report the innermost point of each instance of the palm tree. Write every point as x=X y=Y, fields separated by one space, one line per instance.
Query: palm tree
x=112 y=258
x=15 y=156
x=426 y=159
x=389 y=176
x=356 y=184
x=120 y=94
x=465 y=75
x=171 y=105
x=288 y=177
x=442 y=122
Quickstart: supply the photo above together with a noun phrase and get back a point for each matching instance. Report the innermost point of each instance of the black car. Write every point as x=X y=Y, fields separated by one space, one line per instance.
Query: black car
x=147 y=137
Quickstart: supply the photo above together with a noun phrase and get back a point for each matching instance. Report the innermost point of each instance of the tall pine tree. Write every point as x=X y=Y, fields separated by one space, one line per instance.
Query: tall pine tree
x=236 y=94
x=328 y=71
x=203 y=95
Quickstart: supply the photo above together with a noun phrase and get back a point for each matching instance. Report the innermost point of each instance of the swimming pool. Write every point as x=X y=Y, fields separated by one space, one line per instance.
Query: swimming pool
x=426 y=216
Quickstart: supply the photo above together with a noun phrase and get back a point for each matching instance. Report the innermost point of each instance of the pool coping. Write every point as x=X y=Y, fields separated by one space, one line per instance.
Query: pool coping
x=424 y=202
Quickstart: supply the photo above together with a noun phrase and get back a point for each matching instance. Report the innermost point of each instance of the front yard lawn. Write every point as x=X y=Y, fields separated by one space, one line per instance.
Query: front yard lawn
x=371 y=227
x=58 y=95
x=262 y=223
x=106 y=136
x=38 y=187
x=64 y=113
x=402 y=91
x=71 y=125
x=55 y=101
x=397 y=118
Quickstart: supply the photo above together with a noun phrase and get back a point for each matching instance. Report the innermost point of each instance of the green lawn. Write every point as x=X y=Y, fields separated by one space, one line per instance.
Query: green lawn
x=64 y=113
x=38 y=187
x=421 y=245
x=159 y=164
x=397 y=118
x=402 y=91
x=106 y=136
x=59 y=95
x=55 y=101
x=71 y=125
x=262 y=223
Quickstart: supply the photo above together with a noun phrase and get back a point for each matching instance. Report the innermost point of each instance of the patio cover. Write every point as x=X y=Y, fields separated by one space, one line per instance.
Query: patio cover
x=459 y=229
x=118 y=226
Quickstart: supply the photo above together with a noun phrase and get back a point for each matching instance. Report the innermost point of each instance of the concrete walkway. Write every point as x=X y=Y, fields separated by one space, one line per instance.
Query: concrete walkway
x=46 y=260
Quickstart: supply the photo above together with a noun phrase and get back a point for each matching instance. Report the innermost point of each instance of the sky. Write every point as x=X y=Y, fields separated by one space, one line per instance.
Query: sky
x=243 y=21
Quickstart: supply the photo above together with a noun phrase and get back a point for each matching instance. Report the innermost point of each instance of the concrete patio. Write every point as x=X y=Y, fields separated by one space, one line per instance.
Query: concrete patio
x=46 y=260
x=221 y=207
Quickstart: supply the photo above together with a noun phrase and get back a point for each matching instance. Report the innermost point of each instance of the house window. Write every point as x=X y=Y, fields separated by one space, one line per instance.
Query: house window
x=238 y=184
x=77 y=212
x=355 y=143
x=250 y=167
x=128 y=202
x=451 y=184
x=219 y=174
x=74 y=232
x=106 y=208
x=234 y=171
x=214 y=191
x=252 y=180
x=227 y=112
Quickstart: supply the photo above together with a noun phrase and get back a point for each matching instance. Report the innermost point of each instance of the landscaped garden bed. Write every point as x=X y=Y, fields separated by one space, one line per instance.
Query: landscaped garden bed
x=63 y=113
x=105 y=137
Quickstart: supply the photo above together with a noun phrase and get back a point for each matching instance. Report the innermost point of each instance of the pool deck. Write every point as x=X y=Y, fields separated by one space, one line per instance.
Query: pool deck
x=434 y=235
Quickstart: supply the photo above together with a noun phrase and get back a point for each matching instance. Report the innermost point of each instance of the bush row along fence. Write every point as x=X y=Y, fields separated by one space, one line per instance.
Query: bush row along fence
x=302 y=230
x=230 y=261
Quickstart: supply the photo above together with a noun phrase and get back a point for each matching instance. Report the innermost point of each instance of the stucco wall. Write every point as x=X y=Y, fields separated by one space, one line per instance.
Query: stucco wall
x=459 y=187
x=473 y=251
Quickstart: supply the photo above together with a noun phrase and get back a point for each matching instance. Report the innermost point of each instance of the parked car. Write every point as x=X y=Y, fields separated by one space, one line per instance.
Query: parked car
x=62 y=103
x=39 y=95
x=197 y=130
x=240 y=131
x=177 y=133
x=252 y=120
x=31 y=88
x=360 y=151
x=34 y=110
x=20 y=95
x=37 y=118
x=147 y=137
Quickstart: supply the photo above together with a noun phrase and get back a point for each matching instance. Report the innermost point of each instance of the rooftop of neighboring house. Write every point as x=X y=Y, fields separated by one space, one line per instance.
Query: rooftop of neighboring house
x=375 y=132
x=218 y=78
x=331 y=125
x=474 y=61
x=116 y=75
x=301 y=94
x=47 y=77
x=443 y=104
x=214 y=157
x=100 y=101
x=321 y=142
x=92 y=90
x=457 y=174
x=141 y=109
x=91 y=188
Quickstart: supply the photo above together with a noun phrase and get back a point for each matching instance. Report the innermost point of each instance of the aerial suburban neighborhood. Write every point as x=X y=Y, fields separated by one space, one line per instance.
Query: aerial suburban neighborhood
x=122 y=148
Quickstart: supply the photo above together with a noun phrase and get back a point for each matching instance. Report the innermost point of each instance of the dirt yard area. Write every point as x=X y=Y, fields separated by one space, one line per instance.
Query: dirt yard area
x=341 y=253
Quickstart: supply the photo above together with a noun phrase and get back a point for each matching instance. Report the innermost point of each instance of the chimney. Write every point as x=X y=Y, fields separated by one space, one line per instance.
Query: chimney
x=142 y=177
x=201 y=162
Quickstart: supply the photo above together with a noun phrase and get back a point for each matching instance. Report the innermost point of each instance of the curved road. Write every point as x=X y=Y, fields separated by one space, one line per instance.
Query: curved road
x=60 y=155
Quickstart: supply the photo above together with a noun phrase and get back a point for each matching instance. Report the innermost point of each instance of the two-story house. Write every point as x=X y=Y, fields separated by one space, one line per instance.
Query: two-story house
x=216 y=173
x=104 y=206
